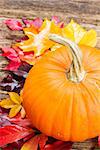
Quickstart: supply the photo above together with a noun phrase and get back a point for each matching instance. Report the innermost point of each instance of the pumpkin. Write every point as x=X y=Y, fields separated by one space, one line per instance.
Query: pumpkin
x=61 y=94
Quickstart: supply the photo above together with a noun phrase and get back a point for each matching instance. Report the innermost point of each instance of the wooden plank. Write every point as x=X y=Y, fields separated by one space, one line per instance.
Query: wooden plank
x=85 y=12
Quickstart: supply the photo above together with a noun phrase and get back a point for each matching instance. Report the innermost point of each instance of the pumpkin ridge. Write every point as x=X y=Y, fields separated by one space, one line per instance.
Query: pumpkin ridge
x=92 y=99
x=72 y=116
x=86 y=107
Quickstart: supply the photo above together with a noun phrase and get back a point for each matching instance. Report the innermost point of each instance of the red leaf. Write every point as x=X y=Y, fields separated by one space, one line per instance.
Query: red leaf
x=10 y=134
x=5 y=120
x=59 y=145
x=99 y=140
x=19 y=121
x=13 y=66
x=42 y=141
x=37 y=22
x=10 y=53
x=33 y=143
x=13 y=24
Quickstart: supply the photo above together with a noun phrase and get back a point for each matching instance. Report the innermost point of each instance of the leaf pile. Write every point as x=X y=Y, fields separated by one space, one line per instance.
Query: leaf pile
x=15 y=129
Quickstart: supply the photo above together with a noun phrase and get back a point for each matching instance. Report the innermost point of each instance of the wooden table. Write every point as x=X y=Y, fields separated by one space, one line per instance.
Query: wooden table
x=85 y=12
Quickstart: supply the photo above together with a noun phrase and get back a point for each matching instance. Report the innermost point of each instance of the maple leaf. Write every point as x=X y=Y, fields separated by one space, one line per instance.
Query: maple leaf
x=13 y=24
x=76 y=33
x=17 y=120
x=12 y=55
x=37 y=22
x=14 y=104
x=39 y=41
x=34 y=142
x=59 y=145
x=12 y=133
x=56 y=19
x=17 y=57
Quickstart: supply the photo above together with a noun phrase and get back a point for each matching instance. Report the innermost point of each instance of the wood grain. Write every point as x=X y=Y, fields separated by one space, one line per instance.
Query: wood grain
x=85 y=12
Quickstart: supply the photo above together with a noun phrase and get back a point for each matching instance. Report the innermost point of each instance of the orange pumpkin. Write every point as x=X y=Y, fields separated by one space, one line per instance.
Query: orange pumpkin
x=61 y=94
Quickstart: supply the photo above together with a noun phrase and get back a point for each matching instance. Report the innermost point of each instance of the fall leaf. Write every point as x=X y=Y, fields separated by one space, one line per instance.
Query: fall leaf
x=59 y=145
x=37 y=22
x=56 y=19
x=12 y=133
x=37 y=42
x=16 y=57
x=33 y=143
x=99 y=140
x=18 y=121
x=14 y=104
x=78 y=34
x=12 y=55
x=13 y=24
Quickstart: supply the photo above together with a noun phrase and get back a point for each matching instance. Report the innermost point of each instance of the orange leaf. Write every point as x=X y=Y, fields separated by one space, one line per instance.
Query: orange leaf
x=33 y=143
x=22 y=112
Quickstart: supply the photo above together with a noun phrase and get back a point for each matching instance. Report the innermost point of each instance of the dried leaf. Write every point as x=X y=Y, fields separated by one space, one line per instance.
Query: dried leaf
x=37 y=42
x=33 y=143
x=10 y=53
x=59 y=145
x=9 y=134
x=13 y=24
x=17 y=120
x=22 y=112
x=14 y=110
x=14 y=97
x=42 y=141
x=56 y=19
x=37 y=22
x=14 y=103
x=73 y=31
x=13 y=66
x=76 y=33
x=3 y=120
x=6 y=103
x=89 y=38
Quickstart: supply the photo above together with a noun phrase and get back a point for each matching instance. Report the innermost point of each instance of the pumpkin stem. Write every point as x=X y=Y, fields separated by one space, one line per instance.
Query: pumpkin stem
x=76 y=72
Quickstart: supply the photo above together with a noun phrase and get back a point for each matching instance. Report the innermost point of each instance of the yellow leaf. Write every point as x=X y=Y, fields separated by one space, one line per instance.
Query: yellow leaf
x=13 y=111
x=55 y=28
x=31 y=144
x=15 y=97
x=90 y=38
x=22 y=112
x=6 y=103
x=76 y=33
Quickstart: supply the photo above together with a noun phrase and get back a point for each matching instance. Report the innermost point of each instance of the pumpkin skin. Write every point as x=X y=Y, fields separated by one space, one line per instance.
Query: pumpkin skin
x=61 y=108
